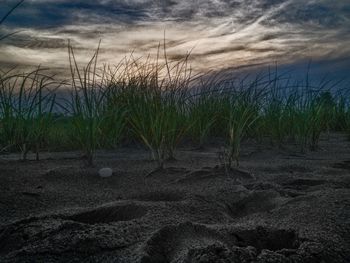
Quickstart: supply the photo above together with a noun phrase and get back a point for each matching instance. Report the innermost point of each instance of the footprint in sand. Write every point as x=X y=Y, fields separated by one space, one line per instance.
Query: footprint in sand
x=109 y=214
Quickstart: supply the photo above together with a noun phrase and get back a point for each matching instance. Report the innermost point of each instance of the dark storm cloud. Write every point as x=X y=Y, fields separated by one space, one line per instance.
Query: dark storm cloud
x=59 y=13
x=323 y=13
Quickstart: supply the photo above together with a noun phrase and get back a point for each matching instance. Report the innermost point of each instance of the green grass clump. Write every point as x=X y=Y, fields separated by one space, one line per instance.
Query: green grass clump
x=308 y=116
x=299 y=113
x=276 y=120
x=60 y=134
x=94 y=119
x=203 y=113
x=243 y=106
x=26 y=107
x=157 y=123
x=156 y=112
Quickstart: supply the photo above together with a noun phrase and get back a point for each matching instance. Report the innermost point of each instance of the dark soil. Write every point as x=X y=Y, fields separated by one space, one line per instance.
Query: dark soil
x=278 y=206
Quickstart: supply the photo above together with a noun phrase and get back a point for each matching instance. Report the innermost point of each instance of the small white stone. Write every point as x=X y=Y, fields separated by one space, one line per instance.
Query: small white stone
x=105 y=172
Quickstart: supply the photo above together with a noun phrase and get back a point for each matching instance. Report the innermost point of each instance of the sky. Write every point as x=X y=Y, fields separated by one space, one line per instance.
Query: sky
x=220 y=34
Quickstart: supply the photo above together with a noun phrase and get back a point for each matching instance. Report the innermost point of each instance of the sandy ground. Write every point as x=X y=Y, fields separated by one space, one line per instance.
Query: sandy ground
x=279 y=206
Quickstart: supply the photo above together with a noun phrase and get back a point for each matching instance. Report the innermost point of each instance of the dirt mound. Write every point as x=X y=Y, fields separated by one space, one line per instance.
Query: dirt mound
x=171 y=243
x=259 y=245
x=197 y=243
x=219 y=253
x=109 y=214
x=254 y=202
x=54 y=239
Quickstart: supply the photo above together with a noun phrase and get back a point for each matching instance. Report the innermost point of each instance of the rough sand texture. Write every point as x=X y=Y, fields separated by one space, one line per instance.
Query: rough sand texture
x=279 y=206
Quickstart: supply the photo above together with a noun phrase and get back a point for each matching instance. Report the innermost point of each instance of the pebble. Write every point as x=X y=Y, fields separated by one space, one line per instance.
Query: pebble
x=105 y=172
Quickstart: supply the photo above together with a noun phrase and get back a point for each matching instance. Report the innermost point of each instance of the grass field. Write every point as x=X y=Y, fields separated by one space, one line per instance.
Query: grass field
x=162 y=105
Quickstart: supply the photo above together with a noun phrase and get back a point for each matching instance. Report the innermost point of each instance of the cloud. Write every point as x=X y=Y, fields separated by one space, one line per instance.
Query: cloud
x=225 y=33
